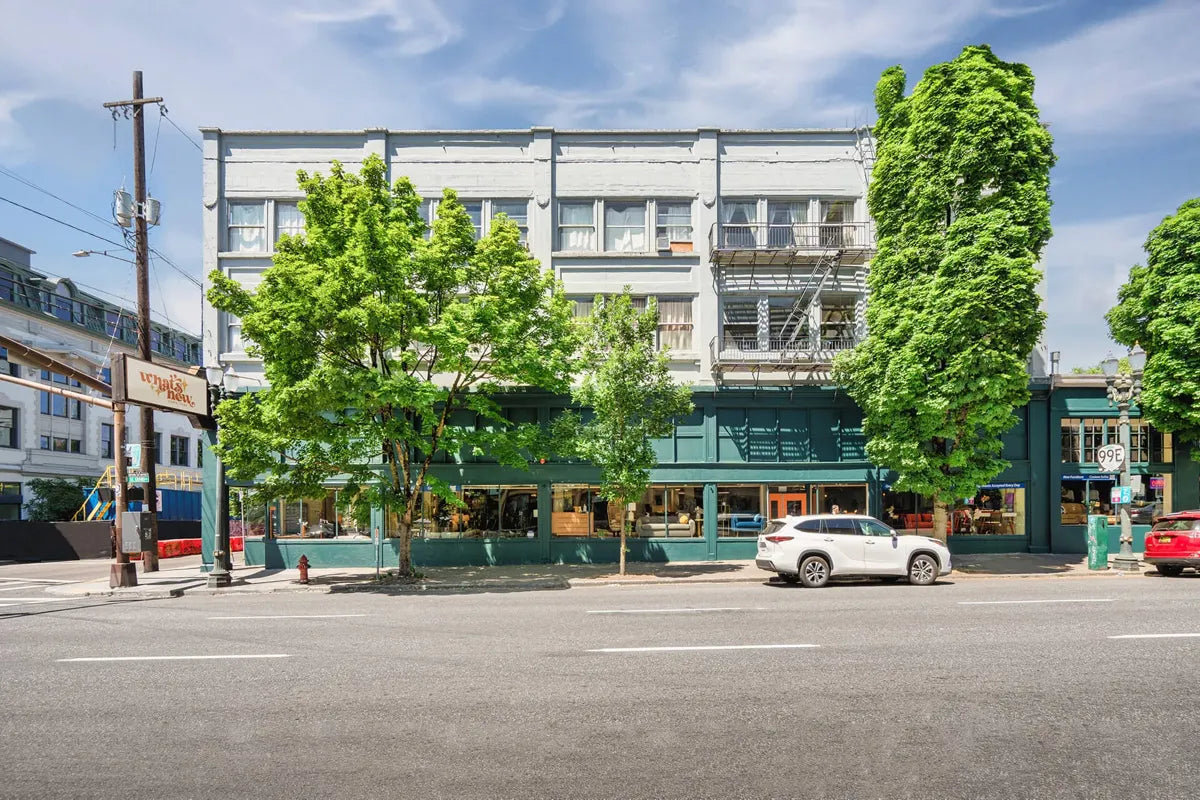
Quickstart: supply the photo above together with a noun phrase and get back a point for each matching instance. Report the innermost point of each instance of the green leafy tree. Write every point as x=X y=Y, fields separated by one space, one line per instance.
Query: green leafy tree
x=960 y=197
x=1159 y=307
x=384 y=351
x=1096 y=369
x=57 y=499
x=632 y=397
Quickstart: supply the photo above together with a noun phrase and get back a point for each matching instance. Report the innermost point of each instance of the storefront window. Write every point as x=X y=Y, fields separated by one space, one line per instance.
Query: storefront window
x=842 y=498
x=1081 y=495
x=907 y=512
x=997 y=509
x=479 y=512
x=671 y=511
x=578 y=511
x=1151 y=497
x=1093 y=439
x=320 y=518
x=740 y=510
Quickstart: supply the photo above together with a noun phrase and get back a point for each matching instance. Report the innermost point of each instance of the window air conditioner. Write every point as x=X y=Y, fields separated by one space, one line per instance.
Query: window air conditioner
x=662 y=243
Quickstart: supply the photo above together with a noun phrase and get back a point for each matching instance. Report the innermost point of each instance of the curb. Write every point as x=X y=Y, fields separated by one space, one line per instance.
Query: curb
x=580 y=583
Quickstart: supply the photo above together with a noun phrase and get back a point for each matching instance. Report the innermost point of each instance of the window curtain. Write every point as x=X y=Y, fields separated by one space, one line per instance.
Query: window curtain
x=625 y=227
x=288 y=219
x=783 y=219
x=737 y=221
x=675 y=221
x=577 y=229
x=247 y=228
x=675 y=324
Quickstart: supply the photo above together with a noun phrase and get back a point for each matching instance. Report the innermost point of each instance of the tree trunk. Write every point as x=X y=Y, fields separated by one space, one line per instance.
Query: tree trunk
x=621 y=555
x=404 y=524
x=941 y=519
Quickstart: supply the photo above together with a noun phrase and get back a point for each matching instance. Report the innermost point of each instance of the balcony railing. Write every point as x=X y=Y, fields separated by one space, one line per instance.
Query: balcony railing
x=754 y=350
x=119 y=325
x=794 y=236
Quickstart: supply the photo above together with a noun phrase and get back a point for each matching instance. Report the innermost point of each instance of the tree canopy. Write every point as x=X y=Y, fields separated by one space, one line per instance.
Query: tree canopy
x=960 y=198
x=377 y=343
x=627 y=386
x=1159 y=307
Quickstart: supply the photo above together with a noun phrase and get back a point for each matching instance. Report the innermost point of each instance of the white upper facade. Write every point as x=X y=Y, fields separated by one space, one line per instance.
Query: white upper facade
x=754 y=242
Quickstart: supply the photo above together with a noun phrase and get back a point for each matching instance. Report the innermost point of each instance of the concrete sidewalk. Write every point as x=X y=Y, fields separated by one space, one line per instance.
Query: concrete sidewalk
x=175 y=579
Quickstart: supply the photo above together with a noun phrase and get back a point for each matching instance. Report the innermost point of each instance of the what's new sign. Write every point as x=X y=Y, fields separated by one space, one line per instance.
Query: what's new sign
x=145 y=383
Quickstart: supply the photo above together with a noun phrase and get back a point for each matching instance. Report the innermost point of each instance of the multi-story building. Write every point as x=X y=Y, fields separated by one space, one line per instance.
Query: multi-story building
x=43 y=435
x=756 y=244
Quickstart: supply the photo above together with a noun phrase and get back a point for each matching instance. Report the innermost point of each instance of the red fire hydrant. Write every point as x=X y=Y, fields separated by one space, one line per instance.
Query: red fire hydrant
x=302 y=565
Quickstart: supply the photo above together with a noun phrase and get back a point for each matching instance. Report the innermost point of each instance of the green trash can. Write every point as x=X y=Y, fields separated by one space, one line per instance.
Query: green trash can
x=1097 y=541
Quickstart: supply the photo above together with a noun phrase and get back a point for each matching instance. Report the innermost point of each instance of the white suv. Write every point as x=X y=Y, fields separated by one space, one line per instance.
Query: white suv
x=812 y=549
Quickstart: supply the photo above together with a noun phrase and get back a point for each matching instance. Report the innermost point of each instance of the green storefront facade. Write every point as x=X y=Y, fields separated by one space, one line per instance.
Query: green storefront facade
x=744 y=455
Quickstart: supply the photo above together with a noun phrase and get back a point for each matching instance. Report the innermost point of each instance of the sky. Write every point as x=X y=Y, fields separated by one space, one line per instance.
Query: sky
x=1118 y=83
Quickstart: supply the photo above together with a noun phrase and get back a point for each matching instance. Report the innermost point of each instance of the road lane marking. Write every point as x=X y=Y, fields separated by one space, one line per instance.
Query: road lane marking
x=7 y=588
x=294 y=616
x=1029 y=602
x=702 y=647
x=172 y=658
x=670 y=610
x=34 y=580
x=13 y=601
x=1157 y=636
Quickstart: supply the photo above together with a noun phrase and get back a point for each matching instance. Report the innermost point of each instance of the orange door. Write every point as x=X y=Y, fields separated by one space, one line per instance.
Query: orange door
x=788 y=504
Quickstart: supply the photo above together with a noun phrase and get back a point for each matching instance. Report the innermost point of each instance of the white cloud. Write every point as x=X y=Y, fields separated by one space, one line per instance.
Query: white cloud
x=1136 y=73
x=419 y=26
x=1085 y=264
x=13 y=142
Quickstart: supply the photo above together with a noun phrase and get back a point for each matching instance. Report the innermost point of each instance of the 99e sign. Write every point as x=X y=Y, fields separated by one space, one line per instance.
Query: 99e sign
x=1111 y=457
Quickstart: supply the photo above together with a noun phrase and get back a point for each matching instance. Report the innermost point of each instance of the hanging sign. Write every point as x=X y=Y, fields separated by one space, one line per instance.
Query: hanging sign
x=1111 y=457
x=145 y=383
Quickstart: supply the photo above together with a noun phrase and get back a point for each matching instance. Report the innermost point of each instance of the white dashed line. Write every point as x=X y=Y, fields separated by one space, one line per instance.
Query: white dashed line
x=1157 y=636
x=1030 y=602
x=670 y=610
x=295 y=616
x=172 y=658
x=703 y=647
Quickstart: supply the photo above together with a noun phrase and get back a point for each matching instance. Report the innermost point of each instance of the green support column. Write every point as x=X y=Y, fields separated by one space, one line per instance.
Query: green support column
x=545 y=503
x=710 y=430
x=1042 y=493
x=208 y=501
x=710 y=520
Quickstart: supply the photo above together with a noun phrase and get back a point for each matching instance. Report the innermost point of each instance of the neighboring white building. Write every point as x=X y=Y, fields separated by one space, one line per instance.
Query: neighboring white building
x=754 y=242
x=44 y=435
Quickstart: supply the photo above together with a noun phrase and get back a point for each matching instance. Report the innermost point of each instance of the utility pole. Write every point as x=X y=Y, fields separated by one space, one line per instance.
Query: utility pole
x=137 y=105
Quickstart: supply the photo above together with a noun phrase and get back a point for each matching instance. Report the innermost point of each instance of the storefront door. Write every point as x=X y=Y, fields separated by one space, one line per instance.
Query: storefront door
x=788 y=504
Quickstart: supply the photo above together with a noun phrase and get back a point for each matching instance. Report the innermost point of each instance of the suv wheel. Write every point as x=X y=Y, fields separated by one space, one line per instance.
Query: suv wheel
x=1170 y=570
x=922 y=570
x=814 y=572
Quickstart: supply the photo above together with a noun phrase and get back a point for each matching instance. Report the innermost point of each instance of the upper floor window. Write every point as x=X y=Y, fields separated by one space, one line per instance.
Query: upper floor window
x=788 y=223
x=577 y=226
x=475 y=212
x=180 y=451
x=288 y=219
x=625 y=226
x=674 y=320
x=7 y=366
x=56 y=405
x=673 y=226
x=517 y=211
x=247 y=227
x=106 y=440
x=8 y=427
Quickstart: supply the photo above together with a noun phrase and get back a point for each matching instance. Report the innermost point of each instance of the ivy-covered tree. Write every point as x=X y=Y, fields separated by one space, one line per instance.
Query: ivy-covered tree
x=1159 y=308
x=56 y=499
x=628 y=387
x=960 y=198
x=375 y=341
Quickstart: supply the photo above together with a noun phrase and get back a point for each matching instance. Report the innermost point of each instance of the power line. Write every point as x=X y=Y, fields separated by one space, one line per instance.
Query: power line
x=61 y=222
x=162 y=112
x=177 y=268
x=47 y=192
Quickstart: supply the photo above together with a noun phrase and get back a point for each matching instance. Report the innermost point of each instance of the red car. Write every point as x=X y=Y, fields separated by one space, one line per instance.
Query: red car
x=1174 y=543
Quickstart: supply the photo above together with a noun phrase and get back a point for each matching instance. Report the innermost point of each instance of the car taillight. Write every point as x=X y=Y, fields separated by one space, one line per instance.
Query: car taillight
x=778 y=539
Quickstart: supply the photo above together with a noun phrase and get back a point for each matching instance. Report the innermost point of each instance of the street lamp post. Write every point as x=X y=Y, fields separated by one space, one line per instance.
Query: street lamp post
x=222 y=561
x=1124 y=388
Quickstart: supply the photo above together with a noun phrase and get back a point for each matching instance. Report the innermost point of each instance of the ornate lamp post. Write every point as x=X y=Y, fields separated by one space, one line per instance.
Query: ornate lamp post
x=1124 y=388
x=222 y=562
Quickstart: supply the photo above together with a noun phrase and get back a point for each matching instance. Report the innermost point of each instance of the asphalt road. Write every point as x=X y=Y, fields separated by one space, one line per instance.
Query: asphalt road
x=976 y=689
